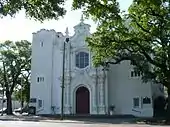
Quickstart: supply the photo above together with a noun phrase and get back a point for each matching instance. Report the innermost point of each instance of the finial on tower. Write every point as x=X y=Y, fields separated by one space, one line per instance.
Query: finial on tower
x=82 y=18
x=67 y=33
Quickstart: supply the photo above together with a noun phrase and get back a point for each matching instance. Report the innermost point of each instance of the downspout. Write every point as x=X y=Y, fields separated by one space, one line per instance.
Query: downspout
x=52 y=67
x=152 y=99
x=106 y=90
x=97 y=97
x=69 y=101
x=70 y=63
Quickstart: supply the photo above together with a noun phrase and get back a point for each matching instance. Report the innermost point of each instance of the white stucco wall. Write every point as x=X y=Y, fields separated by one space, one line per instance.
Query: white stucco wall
x=57 y=72
x=42 y=67
x=123 y=88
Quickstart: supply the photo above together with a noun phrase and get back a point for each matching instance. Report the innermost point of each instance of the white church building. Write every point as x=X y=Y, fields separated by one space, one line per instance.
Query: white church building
x=87 y=90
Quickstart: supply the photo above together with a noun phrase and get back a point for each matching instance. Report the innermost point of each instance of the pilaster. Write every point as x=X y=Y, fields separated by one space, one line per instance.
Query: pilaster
x=106 y=91
x=67 y=94
x=94 y=97
x=102 y=106
x=93 y=105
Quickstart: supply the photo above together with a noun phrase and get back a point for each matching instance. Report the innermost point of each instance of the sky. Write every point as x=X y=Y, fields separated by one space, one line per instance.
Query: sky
x=21 y=28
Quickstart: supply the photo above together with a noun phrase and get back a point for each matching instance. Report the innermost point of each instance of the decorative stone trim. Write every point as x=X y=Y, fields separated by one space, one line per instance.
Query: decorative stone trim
x=67 y=109
x=101 y=109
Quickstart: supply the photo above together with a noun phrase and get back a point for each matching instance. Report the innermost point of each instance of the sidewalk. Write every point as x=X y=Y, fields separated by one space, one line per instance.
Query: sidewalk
x=66 y=120
x=20 y=118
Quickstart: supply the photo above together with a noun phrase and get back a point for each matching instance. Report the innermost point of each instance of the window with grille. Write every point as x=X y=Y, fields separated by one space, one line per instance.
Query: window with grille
x=146 y=100
x=135 y=73
x=40 y=79
x=40 y=103
x=82 y=60
x=136 y=102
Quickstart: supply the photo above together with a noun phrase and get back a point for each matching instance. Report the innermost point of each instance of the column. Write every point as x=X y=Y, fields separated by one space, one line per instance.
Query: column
x=106 y=92
x=94 y=97
x=101 y=95
x=68 y=77
x=67 y=97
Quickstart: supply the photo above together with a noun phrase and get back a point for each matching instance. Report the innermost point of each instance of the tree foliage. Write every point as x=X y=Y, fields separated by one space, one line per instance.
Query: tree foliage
x=22 y=92
x=37 y=9
x=15 y=64
x=142 y=35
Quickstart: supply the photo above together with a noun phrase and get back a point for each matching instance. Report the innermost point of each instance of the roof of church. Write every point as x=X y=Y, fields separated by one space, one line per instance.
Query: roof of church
x=81 y=23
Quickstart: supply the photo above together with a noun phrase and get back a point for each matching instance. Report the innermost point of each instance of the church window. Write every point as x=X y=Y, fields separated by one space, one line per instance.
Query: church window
x=132 y=63
x=136 y=102
x=42 y=44
x=33 y=100
x=132 y=73
x=135 y=73
x=40 y=79
x=139 y=73
x=39 y=103
x=146 y=100
x=82 y=60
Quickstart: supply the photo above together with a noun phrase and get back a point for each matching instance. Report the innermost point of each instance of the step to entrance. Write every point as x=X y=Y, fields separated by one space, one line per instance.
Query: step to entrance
x=89 y=116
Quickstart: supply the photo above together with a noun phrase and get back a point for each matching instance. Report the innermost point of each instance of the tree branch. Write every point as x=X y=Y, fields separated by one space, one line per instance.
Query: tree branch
x=14 y=83
x=140 y=26
x=145 y=30
x=147 y=56
x=118 y=60
x=153 y=13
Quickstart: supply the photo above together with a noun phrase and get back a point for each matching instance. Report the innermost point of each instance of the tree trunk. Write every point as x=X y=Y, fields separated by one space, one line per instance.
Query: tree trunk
x=22 y=106
x=9 y=103
x=22 y=103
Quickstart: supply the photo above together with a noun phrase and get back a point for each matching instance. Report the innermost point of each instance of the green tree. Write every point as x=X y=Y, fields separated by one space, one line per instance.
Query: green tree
x=22 y=91
x=142 y=35
x=37 y=9
x=16 y=59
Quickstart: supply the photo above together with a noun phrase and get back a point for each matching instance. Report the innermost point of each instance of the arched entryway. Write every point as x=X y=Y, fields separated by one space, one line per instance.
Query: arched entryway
x=82 y=100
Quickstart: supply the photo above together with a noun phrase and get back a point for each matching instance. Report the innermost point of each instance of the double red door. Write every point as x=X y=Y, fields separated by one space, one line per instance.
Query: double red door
x=82 y=101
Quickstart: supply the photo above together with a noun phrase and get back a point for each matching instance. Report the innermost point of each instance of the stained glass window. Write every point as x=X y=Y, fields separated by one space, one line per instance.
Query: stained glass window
x=82 y=60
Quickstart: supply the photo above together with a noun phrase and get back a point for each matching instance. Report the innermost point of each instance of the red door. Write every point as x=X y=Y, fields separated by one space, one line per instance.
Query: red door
x=82 y=101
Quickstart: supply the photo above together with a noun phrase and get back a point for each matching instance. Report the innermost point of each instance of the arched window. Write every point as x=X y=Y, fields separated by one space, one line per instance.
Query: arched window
x=82 y=60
